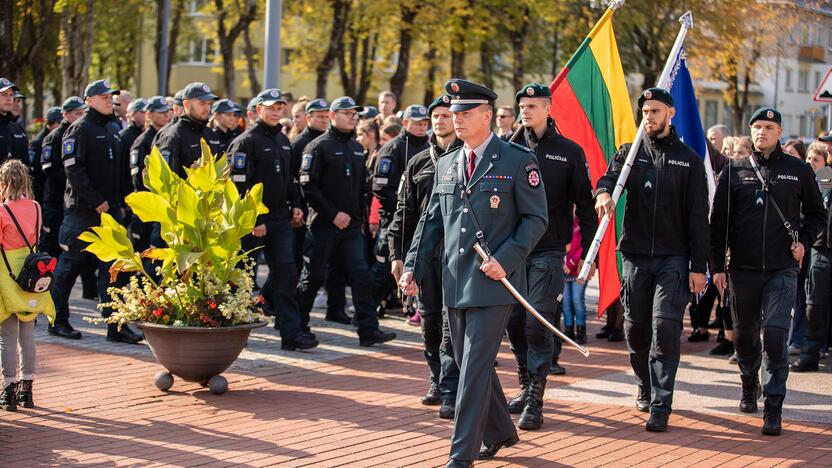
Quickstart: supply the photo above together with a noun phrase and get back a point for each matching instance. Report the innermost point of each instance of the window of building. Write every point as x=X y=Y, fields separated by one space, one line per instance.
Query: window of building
x=789 y=84
x=803 y=81
x=711 y=109
x=197 y=51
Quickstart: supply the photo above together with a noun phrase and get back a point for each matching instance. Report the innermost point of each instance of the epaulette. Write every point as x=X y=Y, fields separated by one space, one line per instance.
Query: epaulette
x=524 y=148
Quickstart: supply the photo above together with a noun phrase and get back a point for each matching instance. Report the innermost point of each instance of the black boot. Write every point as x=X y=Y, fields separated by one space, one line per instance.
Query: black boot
x=604 y=333
x=804 y=365
x=125 y=335
x=725 y=348
x=516 y=405
x=448 y=408
x=64 y=330
x=772 y=412
x=7 y=398
x=432 y=397
x=580 y=337
x=570 y=331
x=643 y=399
x=302 y=341
x=532 y=417
x=750 y=393
x=24 y=394
x=657 y=422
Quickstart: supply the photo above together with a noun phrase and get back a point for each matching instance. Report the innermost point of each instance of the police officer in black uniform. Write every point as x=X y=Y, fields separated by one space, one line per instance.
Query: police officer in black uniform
x=414 y=194
x=771 y=208
x=261 y=154
x=98 y=179
x=135 y=122
x=179 y=142
x=317 y=121
x=664 y=247
x=387 y=174
x=157 y=114
x=53 y=120
x=335 y=184
x=13 y=141
x=564 y=170
x=224 y=122
x=178 y=110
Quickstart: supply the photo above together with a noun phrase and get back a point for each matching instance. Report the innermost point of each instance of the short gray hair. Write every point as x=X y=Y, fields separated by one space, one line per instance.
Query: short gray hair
x=722 y=129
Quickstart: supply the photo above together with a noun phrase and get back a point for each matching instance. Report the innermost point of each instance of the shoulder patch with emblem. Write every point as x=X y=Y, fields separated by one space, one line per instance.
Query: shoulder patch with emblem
x=239 y=160
x=384 y=166
x=165 y=155
x=306 y=163
x=532 y=174
x=32 y=155
x=46 y=154
x=69 y=146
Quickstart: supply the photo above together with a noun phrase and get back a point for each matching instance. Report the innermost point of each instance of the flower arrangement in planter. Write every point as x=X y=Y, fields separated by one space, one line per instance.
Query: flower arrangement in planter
x=202 y=280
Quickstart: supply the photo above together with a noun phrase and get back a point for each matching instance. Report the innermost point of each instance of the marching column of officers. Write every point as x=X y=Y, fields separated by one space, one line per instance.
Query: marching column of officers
x=442 y=191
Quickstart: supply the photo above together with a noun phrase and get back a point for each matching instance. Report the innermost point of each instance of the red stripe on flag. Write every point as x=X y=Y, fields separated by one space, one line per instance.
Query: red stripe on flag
x=573 y=123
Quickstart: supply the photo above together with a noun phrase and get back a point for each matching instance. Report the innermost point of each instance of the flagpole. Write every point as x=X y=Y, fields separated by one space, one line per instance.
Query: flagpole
x=664 y=78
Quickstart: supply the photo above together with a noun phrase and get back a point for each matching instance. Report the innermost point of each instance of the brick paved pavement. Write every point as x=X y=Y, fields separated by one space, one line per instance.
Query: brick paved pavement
x=342 y=405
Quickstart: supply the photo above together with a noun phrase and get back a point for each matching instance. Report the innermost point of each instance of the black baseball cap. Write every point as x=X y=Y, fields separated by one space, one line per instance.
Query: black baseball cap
x=198 y=90
x=416 y=112
x=53 y=114
x=223 y=106
x=137 y=105
x=344 y=103
x=157 y=104
x=6 y=84
x=267 y=97
x=316 y=105
x=369 y=112
x=73 y=102
x=99 y=87
x=177 y=98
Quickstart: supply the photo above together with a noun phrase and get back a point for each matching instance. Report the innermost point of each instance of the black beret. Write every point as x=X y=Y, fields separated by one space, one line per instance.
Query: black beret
x=655 y=94
x=534 y=90
x=766 y=113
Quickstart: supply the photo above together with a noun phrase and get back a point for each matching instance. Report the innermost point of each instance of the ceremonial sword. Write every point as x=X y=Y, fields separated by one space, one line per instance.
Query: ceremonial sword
x=531 y=308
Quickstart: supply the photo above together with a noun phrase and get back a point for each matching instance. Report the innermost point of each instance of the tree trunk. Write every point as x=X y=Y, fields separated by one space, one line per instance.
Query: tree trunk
x=37 y=83
x=555 y=51
x=227 y=38
x=518 y=48
x=430 y=58
x=340 y=15
x=347 y=60
x=368 y=53
x=397 y=81
x=76 y=42
x=487 y=64
x=250 y=51
x=7 y=39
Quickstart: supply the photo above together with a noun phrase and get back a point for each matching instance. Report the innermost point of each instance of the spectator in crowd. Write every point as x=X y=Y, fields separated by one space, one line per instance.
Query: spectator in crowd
x=728 y=146
x=387 y=104
x=388 y=132
x=816 y=156
x=574 y=304
x=298 y=118
x=795 y=148
x=742 y=147
x=717 y=135
x=505 y=122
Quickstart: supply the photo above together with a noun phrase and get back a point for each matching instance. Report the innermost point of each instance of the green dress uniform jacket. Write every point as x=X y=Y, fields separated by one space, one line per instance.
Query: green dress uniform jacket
x=507 y=196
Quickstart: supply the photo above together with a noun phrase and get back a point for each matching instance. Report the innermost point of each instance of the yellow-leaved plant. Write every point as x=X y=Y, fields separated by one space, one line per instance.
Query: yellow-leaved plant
x=201 y=278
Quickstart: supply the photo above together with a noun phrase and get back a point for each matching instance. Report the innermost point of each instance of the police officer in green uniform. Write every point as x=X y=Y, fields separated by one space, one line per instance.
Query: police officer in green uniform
x=488 y=190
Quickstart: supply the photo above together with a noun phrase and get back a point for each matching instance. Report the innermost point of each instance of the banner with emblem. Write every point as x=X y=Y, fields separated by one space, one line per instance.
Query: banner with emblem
x=591 y=106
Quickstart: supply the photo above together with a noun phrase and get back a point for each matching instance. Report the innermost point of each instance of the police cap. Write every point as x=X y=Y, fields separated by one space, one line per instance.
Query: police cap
x=466 y=95
x=344 y=103
x=177 y=98
x=369 y=112
x=416 y=112
x=73 y=102
x=199 y=91
x=157 y=104
x=269 y=97
x=316 y=105
x=6 y=84
x=99 y=87
x=223 y=106
x=53 y=114
x=137 y=105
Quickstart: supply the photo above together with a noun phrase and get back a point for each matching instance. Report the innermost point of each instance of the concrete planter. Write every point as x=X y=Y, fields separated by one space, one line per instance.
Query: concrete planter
x=196 y=354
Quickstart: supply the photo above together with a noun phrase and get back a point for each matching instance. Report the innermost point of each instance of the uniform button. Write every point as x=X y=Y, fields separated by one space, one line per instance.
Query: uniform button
x=465 y=210
x=495 y=189
x=463 y=230
x=461 y=250
x=468 y=191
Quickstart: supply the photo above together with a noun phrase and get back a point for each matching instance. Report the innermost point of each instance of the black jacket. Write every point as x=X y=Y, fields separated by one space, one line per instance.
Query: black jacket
x=333 y=178
x=389 y=167
x=667 y=200
x=566 y=179
x=53 y=170
x=225 y=138
x=33 y=161
x=138 y=152
x=261 y=154
x=96 y=165
x=757 y=238
x=13 y=141
x=179 y=143
x=129 y=135
x=299 y=144
x=413 y=197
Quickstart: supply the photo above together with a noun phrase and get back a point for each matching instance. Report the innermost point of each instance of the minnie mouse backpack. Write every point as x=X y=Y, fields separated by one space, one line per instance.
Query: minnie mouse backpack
x=36 y=274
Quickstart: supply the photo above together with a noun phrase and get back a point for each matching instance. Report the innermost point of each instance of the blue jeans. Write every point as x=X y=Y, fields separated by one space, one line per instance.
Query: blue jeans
x=574 y=305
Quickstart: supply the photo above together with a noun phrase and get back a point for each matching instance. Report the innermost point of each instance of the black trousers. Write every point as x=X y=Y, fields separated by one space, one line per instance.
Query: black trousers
x=439 y=352
x=818 y=291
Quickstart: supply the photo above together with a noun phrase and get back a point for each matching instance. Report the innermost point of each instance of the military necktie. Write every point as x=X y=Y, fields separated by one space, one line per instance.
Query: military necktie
x=472 y=160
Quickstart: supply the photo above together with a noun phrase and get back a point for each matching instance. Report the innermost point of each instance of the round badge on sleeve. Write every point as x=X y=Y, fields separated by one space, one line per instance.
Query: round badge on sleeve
x=534 y=178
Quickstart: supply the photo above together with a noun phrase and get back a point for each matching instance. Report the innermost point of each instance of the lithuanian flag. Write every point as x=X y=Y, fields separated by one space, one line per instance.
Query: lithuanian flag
x=591 y=106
